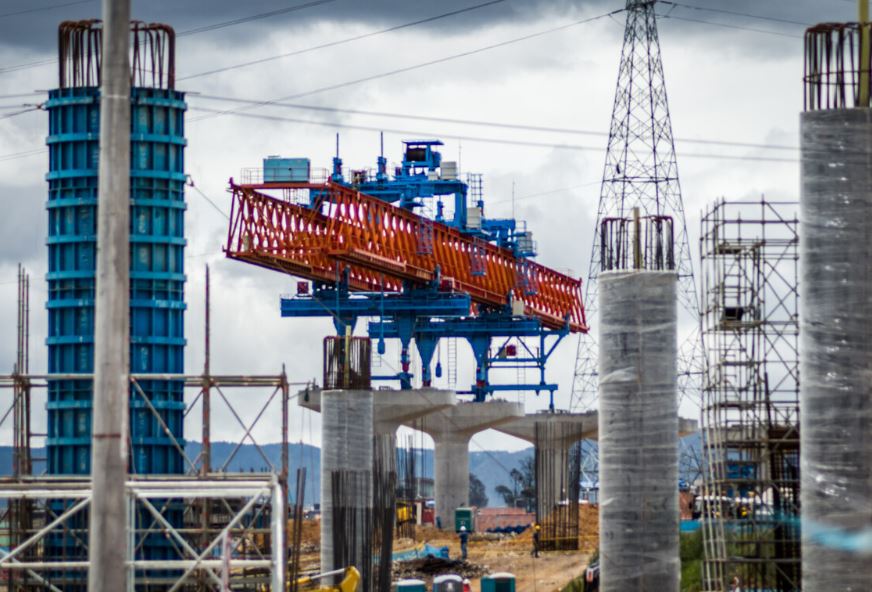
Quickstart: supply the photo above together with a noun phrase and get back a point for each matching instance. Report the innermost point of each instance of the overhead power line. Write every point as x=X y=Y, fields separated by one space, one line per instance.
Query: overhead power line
x=481 y=123
x=389 y=73
x=185 y=33
x=728 y=26
x=253 y=17
x=486 y=140
x=22 y=112
x=20 y=95
x=736 y=13
x=43 y=8
x=190 y=183
x=25 y=154
x=280 y=56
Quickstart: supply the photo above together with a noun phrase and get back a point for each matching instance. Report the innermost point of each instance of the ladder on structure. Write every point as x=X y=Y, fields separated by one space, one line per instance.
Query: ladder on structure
x=452 y=362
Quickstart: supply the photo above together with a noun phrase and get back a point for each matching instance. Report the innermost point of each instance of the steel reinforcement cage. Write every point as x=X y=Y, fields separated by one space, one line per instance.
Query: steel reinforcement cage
x=347 y=363
x=837 y=74
x=750 y=327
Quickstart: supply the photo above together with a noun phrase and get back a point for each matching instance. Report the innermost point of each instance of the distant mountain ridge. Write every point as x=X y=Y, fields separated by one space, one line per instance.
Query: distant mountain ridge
x=491 y=466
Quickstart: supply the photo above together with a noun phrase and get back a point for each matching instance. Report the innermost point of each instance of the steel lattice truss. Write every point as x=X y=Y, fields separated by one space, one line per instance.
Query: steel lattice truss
x=640 y=172
x=750 y=325
x=380 y=245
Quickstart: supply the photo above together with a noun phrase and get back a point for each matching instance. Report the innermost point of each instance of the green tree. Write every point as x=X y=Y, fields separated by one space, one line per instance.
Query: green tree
x=477 y=492
x=523 y=486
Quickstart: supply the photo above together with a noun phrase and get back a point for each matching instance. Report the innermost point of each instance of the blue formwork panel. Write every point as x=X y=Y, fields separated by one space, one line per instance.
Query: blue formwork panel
x=157 y=273
x=157 y=304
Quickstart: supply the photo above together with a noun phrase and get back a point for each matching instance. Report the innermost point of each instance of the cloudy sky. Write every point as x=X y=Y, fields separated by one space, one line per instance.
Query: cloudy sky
x=733 y=67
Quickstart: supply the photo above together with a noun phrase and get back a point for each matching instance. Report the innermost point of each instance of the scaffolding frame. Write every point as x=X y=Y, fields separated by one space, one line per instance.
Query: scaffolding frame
x=228 y=554
x=750 y=327
x=24 y=516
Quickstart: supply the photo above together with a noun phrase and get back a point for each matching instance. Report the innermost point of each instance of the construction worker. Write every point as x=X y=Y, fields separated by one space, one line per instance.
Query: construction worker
x=535 y=551
x=464 y=539
x=736 y=584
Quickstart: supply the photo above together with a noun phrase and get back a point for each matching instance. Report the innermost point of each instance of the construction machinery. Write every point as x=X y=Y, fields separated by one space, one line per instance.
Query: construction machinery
x=350 y=580
x=415 y=251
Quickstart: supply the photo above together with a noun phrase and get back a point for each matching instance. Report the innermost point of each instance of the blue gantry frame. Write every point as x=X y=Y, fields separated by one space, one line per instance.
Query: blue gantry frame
x=429 y=313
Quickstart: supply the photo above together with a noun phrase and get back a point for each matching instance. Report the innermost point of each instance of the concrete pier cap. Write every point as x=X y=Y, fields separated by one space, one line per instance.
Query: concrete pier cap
x=392 y=408
x=574 y=426
x=451 y=430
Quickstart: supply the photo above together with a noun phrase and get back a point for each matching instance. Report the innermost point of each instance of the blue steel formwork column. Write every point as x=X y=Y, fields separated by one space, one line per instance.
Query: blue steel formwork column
x=157 y=247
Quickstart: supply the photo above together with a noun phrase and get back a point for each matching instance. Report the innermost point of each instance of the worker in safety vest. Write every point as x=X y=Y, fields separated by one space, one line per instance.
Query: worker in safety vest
x=535 y=551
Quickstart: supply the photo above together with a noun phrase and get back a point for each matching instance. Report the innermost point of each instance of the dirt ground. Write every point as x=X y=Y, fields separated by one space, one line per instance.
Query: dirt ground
x=549 y=573
x=496 y=553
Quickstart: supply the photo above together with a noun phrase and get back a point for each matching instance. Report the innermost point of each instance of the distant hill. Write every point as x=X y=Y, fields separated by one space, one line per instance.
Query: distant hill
x=491 y=466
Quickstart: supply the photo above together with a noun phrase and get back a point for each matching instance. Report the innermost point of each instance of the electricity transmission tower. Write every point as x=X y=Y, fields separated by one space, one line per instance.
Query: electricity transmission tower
x=640 y=172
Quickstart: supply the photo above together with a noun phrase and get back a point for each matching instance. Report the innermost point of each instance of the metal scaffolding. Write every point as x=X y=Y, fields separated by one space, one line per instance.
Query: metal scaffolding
x=243 y=510
x=247 y=548
x=750 y=326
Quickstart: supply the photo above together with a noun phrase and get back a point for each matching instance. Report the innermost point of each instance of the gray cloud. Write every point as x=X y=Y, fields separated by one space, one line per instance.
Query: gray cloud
x=35 y=32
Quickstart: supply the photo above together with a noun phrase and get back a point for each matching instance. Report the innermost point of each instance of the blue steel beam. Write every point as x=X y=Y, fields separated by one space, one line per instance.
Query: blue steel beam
x=480 y=333
x=404 y=309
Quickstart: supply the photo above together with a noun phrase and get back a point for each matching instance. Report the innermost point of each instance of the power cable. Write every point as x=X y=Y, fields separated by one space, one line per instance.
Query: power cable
x=188 y=32
x=728 y=26
x=43 y=8
x=441 y=60
x=190 y=183
x=21 y=112
x=25 y=154
x=541 y=193
x=479 y=138
x=481 y=123
x=341 y=41
x=254 y=17
x=736 y=13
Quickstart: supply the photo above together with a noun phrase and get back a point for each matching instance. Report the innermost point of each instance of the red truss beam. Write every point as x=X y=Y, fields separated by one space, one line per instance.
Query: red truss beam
x=381 y=245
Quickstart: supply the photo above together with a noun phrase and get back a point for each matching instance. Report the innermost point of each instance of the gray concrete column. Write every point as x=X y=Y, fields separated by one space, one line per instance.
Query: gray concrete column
x=451 y=430
x=451 y=474
x=638 y=441
x=108 y=532
x=835 y=350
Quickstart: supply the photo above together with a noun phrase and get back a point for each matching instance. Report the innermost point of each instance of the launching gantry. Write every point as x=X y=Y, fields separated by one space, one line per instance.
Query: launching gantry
x=368 y=250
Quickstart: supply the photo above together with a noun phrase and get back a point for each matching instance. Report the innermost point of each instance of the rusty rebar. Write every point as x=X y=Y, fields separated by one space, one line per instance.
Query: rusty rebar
x=152 y=54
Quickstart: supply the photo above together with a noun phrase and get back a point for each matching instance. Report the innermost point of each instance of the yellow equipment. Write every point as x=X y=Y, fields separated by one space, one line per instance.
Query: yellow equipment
x=348 y=584
x=405 y=512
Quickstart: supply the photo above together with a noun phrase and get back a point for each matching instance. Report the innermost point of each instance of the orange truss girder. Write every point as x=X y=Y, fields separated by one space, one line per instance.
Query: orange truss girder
x=380 y=245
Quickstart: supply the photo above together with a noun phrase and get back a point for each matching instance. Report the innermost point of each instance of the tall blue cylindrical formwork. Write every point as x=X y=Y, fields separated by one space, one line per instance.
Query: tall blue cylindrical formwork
x=157 y=280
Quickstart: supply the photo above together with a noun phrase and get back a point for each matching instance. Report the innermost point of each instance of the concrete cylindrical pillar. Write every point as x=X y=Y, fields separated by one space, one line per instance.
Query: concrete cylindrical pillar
x=346 y=457
x=835 y=350
x=638 y=432
x=451 y=474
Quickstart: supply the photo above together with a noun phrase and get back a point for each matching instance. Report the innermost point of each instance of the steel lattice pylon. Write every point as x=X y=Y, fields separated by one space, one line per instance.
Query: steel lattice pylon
x=640 y=172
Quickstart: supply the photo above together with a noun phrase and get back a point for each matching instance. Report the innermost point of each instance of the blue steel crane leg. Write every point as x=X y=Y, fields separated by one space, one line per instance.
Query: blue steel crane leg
x=479 y=332
x=404 y=310
x=480 y=349
x=426 y=346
